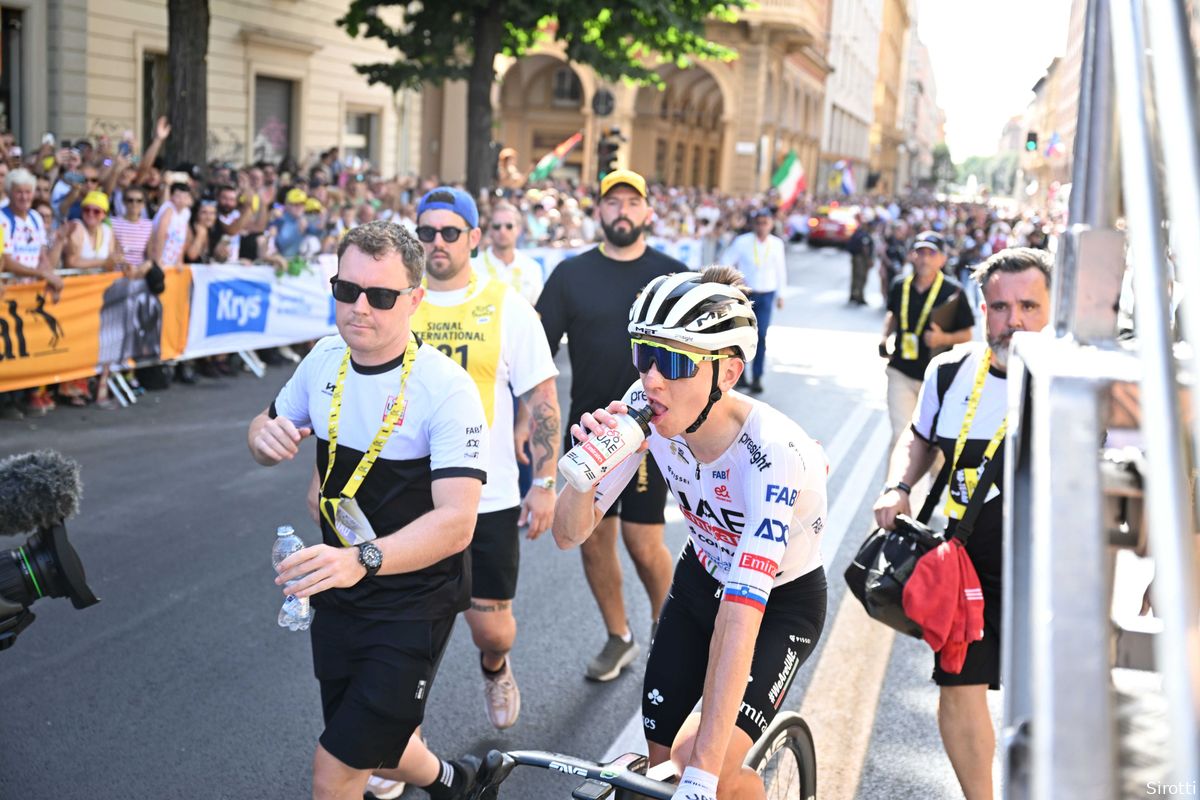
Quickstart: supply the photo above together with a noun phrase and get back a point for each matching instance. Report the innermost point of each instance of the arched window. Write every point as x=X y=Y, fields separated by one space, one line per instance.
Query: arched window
x=567 y=90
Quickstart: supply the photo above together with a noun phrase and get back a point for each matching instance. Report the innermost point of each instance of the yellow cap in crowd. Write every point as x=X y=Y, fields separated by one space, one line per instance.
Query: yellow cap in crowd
x=96 y=200
x=296 y=196
x=623 y=176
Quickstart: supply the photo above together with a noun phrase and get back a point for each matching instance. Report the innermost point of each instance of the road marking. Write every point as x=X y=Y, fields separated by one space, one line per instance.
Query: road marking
x=848 y=501
x=857 y=486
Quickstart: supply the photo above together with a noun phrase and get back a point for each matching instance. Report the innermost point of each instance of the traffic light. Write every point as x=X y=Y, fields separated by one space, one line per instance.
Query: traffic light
x=1031 y=143
x=606 y=151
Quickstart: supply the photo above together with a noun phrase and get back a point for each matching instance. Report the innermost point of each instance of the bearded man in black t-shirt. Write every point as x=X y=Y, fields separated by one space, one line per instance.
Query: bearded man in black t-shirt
x=588 y=298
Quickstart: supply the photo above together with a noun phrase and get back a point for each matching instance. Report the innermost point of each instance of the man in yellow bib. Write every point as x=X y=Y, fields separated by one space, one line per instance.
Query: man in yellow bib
x=485 y=326
x=915 y=304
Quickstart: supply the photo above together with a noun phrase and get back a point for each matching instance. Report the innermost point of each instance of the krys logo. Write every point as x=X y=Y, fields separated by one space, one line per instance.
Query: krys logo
x=237 y=307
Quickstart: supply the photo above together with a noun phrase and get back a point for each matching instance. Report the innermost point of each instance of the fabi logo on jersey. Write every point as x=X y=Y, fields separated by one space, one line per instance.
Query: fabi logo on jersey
x=772 y=530
x=758 y=456
x=238 y=306
x=722 y=493
x=759 y=564
x=721 y=474
x=781 y=494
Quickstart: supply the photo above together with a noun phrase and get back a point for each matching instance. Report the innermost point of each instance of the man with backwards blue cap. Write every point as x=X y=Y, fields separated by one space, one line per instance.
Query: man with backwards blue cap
x=490 y=330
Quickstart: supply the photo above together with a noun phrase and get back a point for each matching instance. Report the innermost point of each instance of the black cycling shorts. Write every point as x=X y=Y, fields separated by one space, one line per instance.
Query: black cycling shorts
x=645 y=498
x=375 y=677
x=982 y=665
x=496 y=554
x=791 y=626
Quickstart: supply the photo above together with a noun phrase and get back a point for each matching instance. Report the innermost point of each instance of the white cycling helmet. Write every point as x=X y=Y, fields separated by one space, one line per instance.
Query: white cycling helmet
x=706 y=314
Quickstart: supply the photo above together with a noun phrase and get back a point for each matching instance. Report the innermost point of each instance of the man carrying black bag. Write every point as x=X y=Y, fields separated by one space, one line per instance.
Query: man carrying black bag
x=966 y=422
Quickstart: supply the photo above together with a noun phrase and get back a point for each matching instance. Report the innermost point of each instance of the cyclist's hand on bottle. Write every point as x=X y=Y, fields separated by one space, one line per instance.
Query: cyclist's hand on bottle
x=279 y=439
x=696 y=784
x=890 y=504
x=601 y=420
x=319 y=567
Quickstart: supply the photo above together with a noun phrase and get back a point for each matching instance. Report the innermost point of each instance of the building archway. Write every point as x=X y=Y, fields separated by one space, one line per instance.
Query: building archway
x=542 y=100
x=678 y=131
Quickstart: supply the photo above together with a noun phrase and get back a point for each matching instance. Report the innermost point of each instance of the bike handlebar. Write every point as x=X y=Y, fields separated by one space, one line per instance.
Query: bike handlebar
x=618 y=774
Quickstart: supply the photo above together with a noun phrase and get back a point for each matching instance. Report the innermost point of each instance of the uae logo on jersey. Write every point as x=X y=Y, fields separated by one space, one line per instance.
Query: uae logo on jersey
x=722 y=493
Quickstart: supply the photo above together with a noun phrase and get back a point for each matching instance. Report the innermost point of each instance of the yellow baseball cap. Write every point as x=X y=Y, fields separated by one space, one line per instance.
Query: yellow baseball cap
x=96 y=200
x=623 y=176
x=296 y=196
x=313 y=204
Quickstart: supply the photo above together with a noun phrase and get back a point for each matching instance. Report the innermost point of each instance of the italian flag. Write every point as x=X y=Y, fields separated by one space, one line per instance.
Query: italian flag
x=551 y=160
x=789 y=180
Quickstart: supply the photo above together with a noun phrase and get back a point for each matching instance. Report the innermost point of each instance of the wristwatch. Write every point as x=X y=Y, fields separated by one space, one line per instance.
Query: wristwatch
x=371 y=557
x=899 y=486
x=544 y=483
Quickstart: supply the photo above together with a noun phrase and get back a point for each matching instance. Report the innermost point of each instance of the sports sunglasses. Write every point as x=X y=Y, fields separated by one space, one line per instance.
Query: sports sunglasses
x=672 y=364
x=377 y=296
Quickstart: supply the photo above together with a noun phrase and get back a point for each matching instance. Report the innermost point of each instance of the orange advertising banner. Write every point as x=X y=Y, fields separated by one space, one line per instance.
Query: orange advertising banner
x=99 y=319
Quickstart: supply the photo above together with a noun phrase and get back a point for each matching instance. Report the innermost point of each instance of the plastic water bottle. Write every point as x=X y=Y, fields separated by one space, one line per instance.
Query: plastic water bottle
x=296 y=614
x=587 y=462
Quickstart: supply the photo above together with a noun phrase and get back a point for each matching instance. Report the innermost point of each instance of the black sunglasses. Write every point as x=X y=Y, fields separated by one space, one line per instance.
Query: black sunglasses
x=508 y=226
x=427 y=233
x=377 y=296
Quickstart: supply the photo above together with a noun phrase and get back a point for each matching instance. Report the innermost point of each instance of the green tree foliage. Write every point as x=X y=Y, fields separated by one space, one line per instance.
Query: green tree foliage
x=438 y=41
x=942 y=171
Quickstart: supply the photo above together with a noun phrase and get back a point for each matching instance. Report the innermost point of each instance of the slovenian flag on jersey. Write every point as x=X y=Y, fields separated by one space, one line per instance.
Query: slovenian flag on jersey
x=554 y=158
x=789 y=180
x=745 y=594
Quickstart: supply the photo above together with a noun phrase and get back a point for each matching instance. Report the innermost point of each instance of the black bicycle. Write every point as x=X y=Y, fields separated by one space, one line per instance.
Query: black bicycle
x=784 y=756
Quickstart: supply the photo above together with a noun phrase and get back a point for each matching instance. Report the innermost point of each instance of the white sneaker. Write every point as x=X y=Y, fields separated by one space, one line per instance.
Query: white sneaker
x=503 y=698
x=383 y=789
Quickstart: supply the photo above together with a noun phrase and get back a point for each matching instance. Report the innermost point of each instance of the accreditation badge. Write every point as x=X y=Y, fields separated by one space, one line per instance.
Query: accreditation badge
x=350 y=523
x=909 y=348
x=960 y=493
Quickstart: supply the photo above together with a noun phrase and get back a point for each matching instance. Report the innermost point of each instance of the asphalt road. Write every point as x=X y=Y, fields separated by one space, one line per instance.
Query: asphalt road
x=180 y=684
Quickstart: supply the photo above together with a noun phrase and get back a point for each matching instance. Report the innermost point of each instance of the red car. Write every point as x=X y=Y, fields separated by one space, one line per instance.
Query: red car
x=832 y=225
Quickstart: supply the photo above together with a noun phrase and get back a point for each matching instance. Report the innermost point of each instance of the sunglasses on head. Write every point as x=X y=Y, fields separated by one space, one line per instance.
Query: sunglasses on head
x=427 y=233
x=377 y=296
x=672 y=364
x=508 y=226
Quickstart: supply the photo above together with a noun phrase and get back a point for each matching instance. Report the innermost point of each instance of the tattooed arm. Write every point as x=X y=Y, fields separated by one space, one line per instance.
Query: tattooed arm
x=538 y=506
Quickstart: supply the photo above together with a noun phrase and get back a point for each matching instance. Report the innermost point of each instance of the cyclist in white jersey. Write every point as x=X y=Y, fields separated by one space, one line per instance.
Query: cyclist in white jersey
x=747 y=602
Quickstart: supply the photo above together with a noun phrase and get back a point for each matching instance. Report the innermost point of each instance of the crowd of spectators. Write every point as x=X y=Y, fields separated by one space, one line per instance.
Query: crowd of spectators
x=99 y=205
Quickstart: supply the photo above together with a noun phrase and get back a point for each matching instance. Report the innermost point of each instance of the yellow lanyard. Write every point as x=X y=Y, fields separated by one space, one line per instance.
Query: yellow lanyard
x=954 y=508
x=329 y=504
x=757 y=260
x=494 y=271
x=929 y=301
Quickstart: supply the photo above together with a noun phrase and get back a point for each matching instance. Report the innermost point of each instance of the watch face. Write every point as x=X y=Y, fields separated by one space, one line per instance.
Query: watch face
x=370 y=556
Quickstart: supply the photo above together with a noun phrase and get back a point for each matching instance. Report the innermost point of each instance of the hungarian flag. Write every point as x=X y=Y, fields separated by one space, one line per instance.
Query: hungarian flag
x=551 y=160
x=789 y=180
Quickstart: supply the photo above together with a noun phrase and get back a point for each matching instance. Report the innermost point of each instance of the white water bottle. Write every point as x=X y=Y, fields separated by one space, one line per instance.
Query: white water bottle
x=296 y=614
x=587 y=462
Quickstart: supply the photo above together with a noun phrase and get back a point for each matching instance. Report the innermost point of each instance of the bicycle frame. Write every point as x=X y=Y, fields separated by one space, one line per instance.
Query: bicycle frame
x=599 y=780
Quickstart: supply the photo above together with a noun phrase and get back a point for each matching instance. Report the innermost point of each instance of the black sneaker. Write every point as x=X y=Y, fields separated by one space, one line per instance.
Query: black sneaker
x=466 y=769
x=756 y=387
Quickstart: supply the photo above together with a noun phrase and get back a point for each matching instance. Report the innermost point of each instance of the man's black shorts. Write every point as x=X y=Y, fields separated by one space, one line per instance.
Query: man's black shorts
x=982 y=665
x=375 y=678
x=678 y=663
x=645 y=498
x=496 y=554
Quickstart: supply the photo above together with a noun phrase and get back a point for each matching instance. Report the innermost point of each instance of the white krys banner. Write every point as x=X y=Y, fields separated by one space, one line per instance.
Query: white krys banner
x=248 y=308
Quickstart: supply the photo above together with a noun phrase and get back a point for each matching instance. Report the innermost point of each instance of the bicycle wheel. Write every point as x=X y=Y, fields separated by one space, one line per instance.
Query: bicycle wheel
x=785 y=759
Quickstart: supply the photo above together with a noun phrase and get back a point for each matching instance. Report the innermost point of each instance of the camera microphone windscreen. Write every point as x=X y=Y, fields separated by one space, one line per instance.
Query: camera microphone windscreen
x=37 y=490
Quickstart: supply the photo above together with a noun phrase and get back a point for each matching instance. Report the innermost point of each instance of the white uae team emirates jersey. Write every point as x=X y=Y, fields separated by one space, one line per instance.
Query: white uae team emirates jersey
x=756 y=513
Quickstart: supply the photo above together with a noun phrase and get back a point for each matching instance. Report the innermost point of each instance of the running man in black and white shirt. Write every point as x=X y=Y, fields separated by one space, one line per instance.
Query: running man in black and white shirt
x=385 y=608
x=747 y=601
